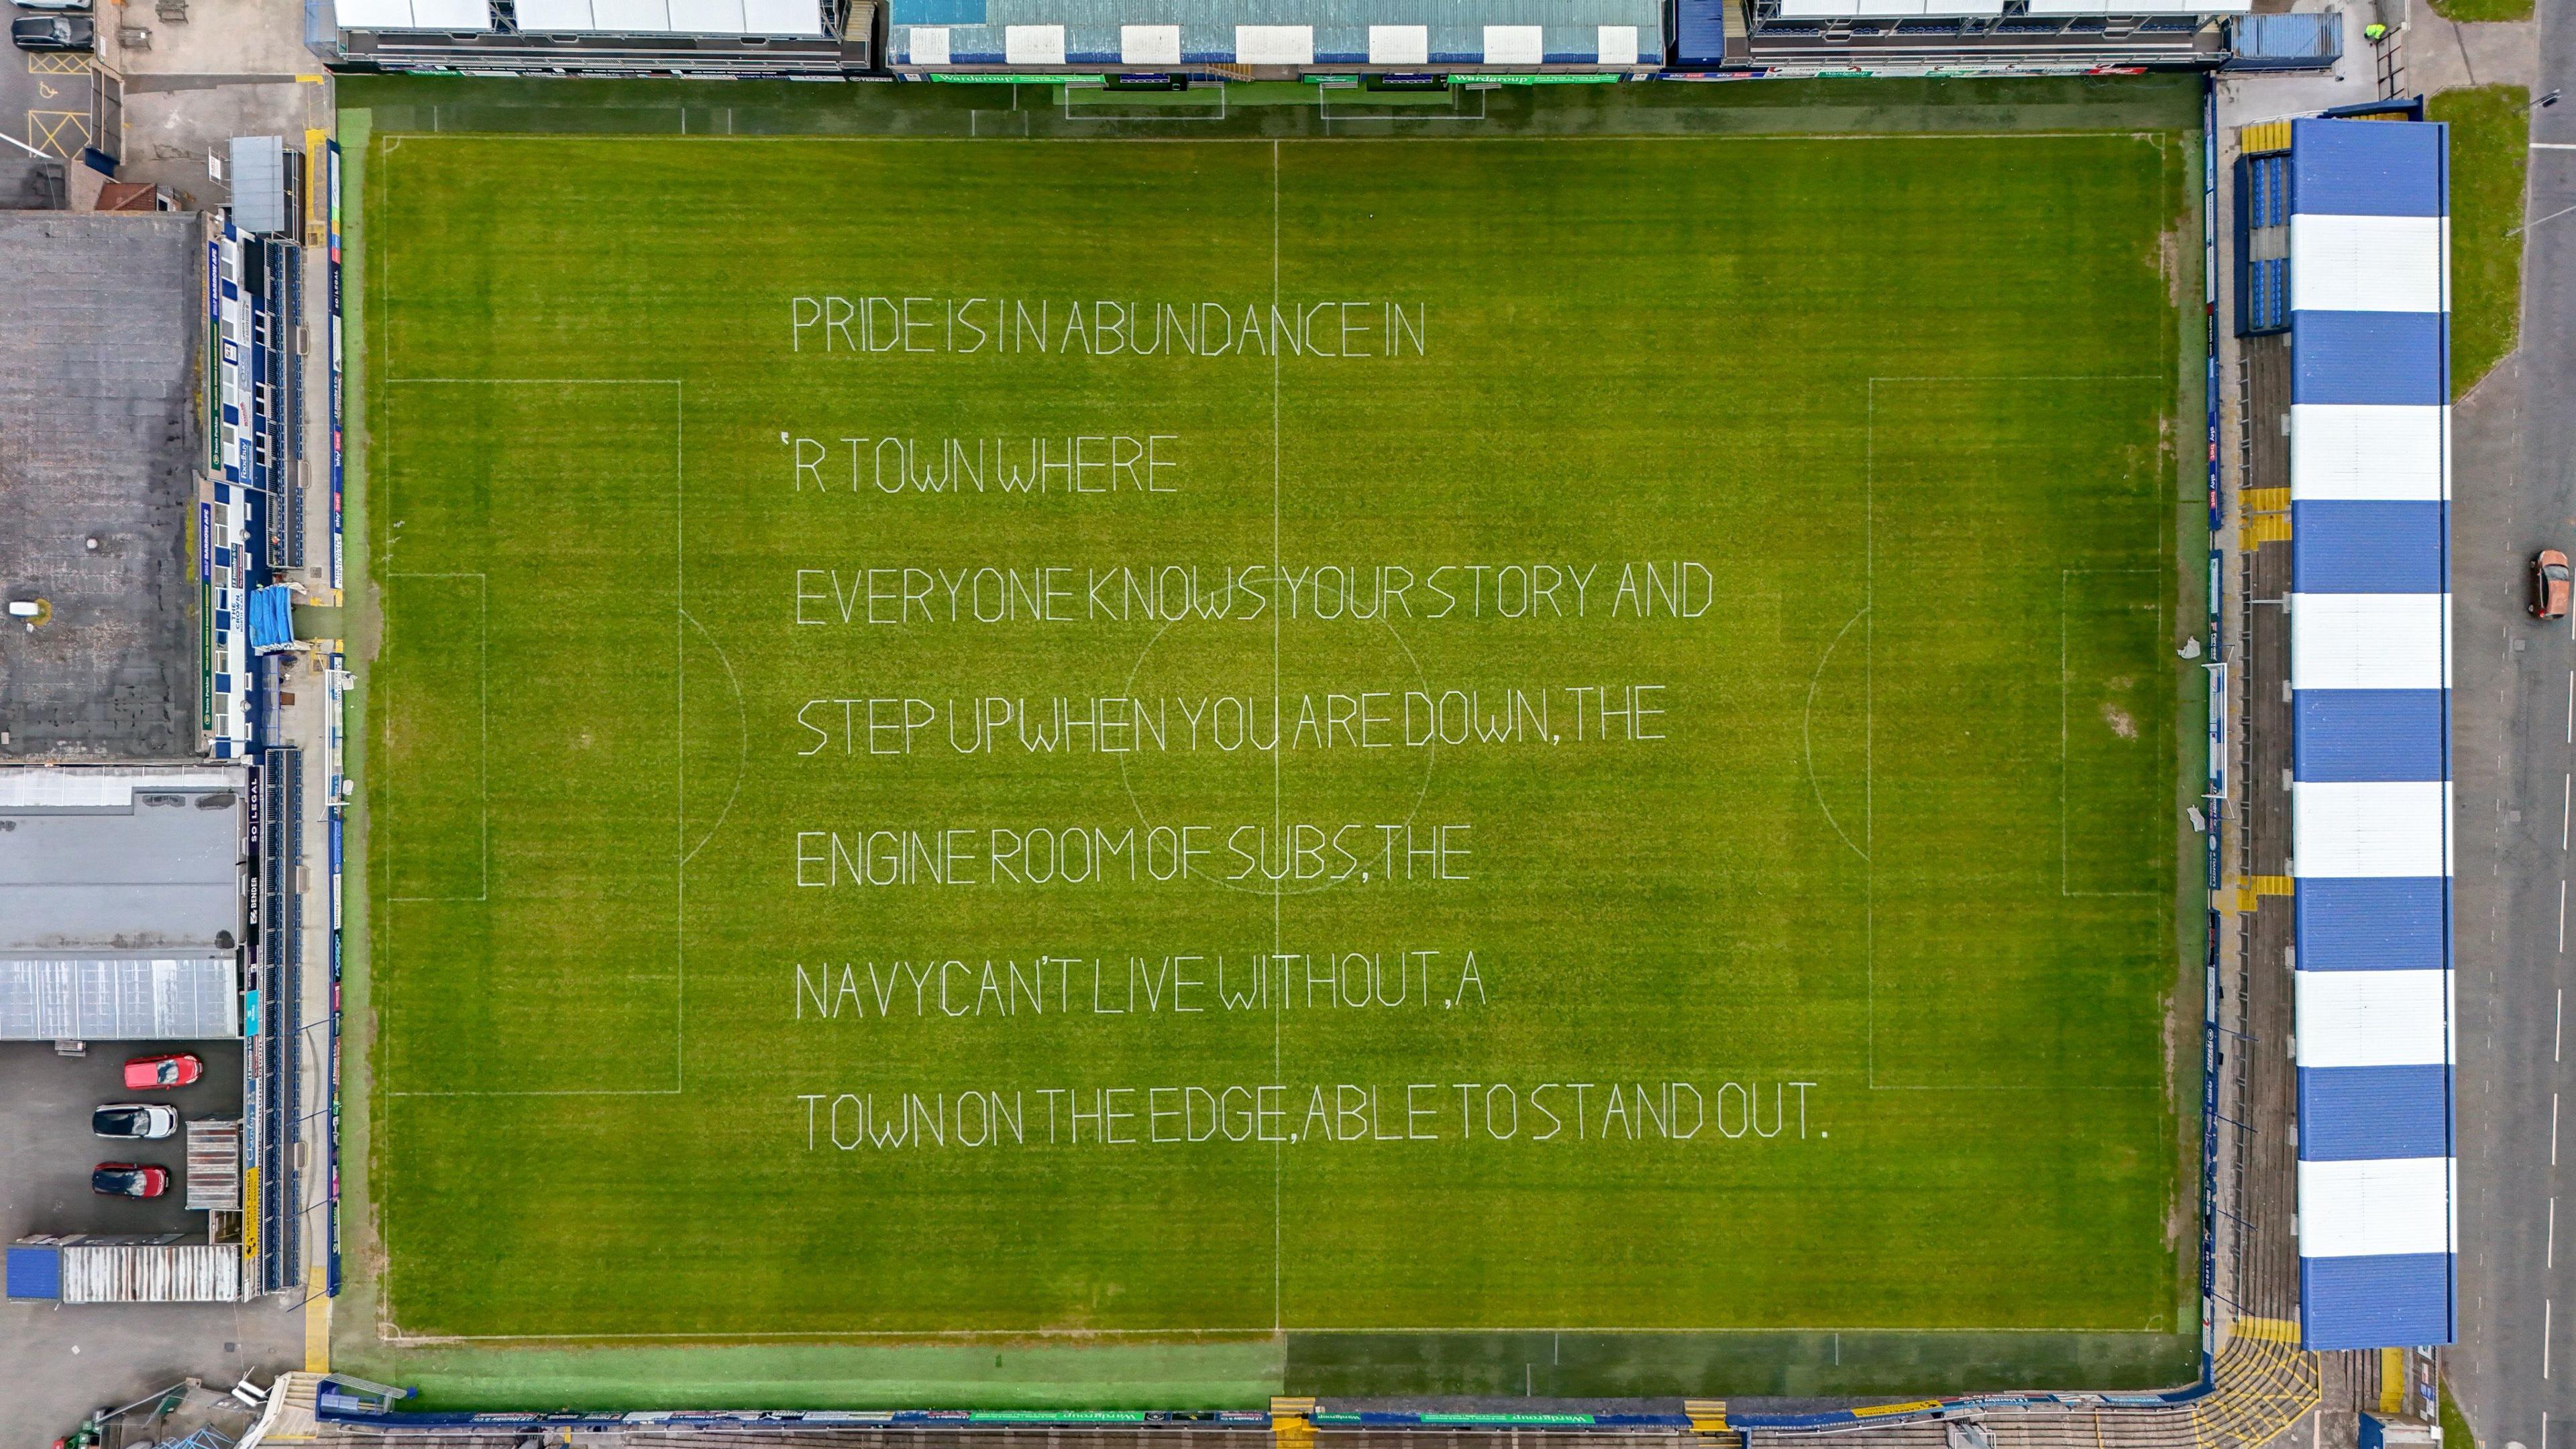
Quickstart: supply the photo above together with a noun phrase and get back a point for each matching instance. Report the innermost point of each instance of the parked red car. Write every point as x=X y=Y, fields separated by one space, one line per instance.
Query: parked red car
x=2549 y=584
x=128 y=1179
x=143 y=1074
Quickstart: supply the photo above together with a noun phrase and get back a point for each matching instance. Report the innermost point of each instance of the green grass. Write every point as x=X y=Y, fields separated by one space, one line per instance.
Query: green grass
x=2490 y=146
x=1907 y=834
x=2474 y=10
x=2456 y=1433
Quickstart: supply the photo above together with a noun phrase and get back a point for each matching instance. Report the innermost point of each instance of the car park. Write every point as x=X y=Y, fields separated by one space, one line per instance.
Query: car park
x=128 y=1179
x=146 y=1121
x=53 y=32
x=176 y=1069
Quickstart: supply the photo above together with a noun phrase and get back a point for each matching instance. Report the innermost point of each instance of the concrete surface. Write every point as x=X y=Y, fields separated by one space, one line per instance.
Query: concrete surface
x=2444 y=55
x=232 y=68
x=2244 y=98
x=59 y=1363
x=98 y=452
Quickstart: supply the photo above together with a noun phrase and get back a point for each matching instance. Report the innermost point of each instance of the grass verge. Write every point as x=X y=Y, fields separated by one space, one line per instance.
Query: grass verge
x=2490 y=147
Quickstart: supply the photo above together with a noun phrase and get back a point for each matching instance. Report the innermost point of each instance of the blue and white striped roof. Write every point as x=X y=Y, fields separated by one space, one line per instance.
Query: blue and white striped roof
x=2370 y=675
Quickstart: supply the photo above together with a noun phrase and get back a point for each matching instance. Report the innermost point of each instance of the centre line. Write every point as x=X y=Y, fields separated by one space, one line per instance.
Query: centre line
x=2553 y=1129
x=2549 y=1245
x=2562 y=918
x=2566 y=802
x=2558 y=1026
x=2571 y=706
x=2544 y=1337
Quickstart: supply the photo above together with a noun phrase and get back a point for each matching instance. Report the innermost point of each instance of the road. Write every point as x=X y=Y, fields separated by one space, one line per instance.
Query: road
x=2515 y=761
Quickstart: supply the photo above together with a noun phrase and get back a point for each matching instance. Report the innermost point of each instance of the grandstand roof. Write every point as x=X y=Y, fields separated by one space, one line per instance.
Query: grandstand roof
x=1389 y=32
x=2371 y=779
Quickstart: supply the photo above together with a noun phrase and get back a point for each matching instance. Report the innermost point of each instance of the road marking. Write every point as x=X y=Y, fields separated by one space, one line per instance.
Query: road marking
x=2558 y=1027
x=2553 y=1129
x=2544 y=1337
x=2566 y=800
x=2553 y=145
x=2571 y=706
x=2562 y=918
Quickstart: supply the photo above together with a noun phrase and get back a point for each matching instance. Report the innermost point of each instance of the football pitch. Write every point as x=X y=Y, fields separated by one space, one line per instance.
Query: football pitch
x=1254 y=737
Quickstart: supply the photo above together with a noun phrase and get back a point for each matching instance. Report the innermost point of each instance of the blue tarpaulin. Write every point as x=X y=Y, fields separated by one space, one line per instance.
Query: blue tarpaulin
x=272 y=617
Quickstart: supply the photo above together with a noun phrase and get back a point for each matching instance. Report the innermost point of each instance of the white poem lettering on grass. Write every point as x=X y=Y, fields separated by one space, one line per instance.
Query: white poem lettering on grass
x=2370 y=641
x=1617 y=44
x=2378 y=1207
x=1515 y=45
x=1149 y=44
x=1399 y=44
x=1602 y=1114
x=2375 y=828
x=2373 y=1018
x=2345 y=452
x=2370 y=263
x=1033 y=44
x=929 y=45
x=1274 y=44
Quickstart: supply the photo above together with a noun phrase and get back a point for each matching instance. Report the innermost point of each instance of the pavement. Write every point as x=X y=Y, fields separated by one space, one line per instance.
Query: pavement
x=2514 y=491
x=59 y=1363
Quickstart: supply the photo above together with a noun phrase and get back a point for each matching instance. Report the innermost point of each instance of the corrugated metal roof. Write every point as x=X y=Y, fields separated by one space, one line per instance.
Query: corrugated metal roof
x=214 y=1165
x=257 y=175
x=2370 y=797
x=1456 y=30
x=119 y=999
x=2382 y=546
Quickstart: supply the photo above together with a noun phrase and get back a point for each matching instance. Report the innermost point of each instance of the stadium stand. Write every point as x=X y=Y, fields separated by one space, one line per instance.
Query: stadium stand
x=1894 y=37
x=935 y=35
x=2263 y=231
x=605 y=37
x=2368 y=264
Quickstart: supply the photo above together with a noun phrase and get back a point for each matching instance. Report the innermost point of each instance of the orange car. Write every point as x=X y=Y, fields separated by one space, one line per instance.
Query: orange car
x=2549 y=584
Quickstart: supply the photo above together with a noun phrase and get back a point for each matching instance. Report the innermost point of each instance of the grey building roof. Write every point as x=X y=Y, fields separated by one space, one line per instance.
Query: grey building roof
x=120 y=902
x=159 y=873
x=98 y=450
